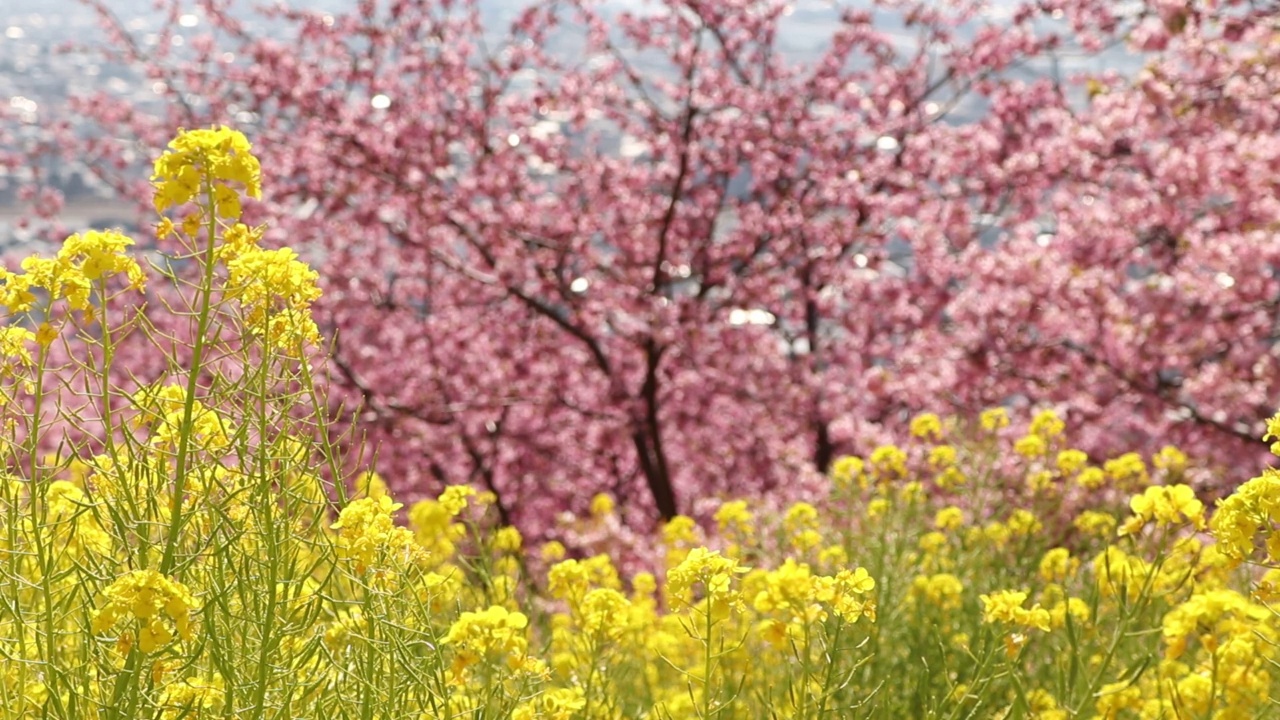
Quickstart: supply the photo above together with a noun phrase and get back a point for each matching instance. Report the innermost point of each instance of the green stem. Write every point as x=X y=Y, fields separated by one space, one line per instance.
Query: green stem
x=39 y=514
x=273 y=548
x=706 y=669
x=833 y=652
x=193 y=376
x=805 y=670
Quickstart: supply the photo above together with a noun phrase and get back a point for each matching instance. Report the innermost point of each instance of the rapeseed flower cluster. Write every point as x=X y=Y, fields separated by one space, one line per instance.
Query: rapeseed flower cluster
x=165 y=410
x=1248 y=518
x=711 y=574
x=1006 y=606
x=1165 y=506
x=217 y=161
x=368 y=537
x=493 y=633
x=276 y=291
x=152 y=608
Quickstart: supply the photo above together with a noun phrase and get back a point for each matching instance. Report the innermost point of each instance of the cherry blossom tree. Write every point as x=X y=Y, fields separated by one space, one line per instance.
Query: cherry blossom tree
x=651 y=252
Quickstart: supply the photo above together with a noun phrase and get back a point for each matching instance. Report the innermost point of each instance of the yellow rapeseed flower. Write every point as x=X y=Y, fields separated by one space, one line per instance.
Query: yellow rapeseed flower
x=276 y=290
x=15 y=352
x=454 y=499
x=949 y=518
x=97 y=255
x=1057 y=565
x=942 y=457
x=1031 y=446
x=552 y=550
x=495 y=634
x=848 y=470
x=926 y=426
x=219 y=156
x=801 y=525
x=1072 y=461
x=15 y=291
x=1240 y=517
x=734 y=519
x=603 y=613
x=369 y=537
x=1165 y=506
x=166 y=409
x=679 y=530
x=557 y=704
x=951 y=478
x=848 y=594
x=994 y=419
x=714 y=573
x=507 y=540
x=1171 y=460
x=1129 y=469
x=159 y=605
x=1273 y=433
x=943 y=590
x=1047 y=425
x=602 y=505
x=1005 y=606
x=1091 y=478
x=889 y=462
x=1022 y=523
